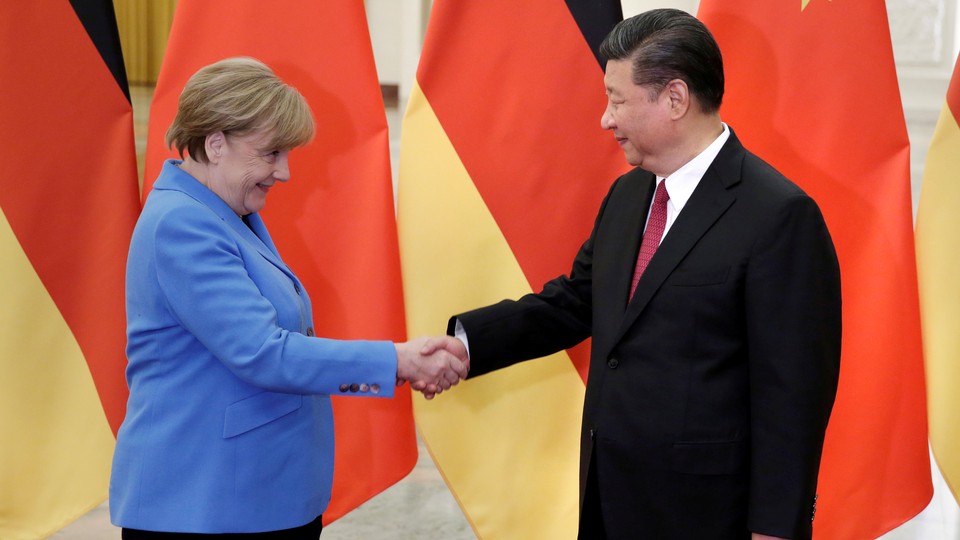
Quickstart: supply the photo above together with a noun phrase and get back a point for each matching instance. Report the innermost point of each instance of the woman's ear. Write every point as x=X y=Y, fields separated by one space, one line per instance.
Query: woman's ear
x=213 y=145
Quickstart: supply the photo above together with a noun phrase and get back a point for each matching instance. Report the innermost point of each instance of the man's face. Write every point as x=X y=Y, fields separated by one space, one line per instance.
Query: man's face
x=637 y=117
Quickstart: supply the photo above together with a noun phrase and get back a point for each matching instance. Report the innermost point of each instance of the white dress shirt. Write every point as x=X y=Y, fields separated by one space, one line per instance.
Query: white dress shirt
x=683 y=181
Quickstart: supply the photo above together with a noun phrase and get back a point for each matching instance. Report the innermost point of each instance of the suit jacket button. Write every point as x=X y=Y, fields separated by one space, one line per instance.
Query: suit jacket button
x=375 y=388
x=354 y=387
x=344 y=387
x=613 y=363
x=364 y=387
x=310 y=331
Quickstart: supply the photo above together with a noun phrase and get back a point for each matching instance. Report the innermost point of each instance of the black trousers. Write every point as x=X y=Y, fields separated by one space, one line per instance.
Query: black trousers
x=310 y=531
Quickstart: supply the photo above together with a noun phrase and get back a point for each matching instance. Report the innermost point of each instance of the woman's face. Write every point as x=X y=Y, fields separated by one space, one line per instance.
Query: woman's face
x=246 y=169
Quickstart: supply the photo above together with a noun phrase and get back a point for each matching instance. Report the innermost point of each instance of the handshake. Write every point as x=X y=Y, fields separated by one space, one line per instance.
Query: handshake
x=432 y=365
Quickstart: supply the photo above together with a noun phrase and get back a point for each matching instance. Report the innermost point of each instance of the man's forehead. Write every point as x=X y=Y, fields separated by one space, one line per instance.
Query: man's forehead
x=617 y=73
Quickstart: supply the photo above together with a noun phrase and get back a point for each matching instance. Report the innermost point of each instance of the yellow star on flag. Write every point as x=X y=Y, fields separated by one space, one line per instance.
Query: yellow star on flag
x=803 y=4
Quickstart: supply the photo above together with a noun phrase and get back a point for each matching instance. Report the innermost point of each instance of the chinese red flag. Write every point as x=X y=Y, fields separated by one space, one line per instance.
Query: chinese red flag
x=811 y=88
x=502 y=170
x=68 y=203
x=334 y=222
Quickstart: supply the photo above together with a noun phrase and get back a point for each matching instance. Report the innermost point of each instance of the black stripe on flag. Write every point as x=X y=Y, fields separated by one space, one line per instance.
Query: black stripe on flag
x=100 y=21
x=595 y=18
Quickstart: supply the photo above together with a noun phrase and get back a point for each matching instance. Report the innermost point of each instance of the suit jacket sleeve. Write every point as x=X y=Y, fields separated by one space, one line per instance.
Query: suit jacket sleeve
x=536 y=325
x=793 y=318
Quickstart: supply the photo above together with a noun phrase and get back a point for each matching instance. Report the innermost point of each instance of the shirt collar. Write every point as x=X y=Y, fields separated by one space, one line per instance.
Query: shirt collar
x=680 y=184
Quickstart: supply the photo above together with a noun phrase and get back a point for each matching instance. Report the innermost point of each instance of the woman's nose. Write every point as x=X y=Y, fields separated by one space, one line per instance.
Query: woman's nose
x=282 y=168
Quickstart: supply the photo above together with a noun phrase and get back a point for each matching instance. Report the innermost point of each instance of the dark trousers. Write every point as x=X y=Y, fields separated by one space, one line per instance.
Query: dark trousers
x=310 y=531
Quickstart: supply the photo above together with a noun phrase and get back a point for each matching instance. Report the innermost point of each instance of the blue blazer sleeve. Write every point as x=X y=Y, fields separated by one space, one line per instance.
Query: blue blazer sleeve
x=253 y=315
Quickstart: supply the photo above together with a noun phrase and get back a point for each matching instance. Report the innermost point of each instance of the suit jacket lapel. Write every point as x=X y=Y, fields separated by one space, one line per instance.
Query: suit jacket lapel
x=639 y=196
x=708 y=202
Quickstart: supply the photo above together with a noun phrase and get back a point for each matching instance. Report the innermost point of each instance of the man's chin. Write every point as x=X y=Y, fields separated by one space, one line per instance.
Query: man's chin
x=633 y=161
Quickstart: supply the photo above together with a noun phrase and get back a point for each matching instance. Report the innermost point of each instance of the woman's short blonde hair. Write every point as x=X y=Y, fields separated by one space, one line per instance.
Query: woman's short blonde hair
x=238 y=96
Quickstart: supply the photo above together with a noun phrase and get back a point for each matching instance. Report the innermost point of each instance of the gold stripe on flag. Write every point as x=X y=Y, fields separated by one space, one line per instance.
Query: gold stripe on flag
x=52 y=428
x=455 y=258
x=938 y=259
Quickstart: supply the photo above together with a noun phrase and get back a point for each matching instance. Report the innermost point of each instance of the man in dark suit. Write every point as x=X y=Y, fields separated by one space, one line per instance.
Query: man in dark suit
x=711 y=289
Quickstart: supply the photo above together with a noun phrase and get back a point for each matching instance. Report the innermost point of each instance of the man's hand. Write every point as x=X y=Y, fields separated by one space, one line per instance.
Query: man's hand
x=452 y=346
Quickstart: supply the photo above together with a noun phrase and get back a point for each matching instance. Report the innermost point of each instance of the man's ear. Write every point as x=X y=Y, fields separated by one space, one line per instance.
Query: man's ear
x=678 y=93
x=213 y=145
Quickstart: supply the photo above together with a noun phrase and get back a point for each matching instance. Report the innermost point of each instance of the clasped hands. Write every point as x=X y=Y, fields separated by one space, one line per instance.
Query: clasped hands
x=432 y=365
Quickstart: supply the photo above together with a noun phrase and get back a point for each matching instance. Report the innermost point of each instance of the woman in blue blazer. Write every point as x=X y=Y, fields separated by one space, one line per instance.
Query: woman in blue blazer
x=229 y=427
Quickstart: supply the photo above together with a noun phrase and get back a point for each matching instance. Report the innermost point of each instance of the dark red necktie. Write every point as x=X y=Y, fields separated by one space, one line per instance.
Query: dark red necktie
x=651 y=237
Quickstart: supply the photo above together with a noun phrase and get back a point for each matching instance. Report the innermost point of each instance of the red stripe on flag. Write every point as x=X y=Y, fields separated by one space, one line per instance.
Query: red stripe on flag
x=953 y=93
x=69 y=184
x=523 y=113
x=334 y=222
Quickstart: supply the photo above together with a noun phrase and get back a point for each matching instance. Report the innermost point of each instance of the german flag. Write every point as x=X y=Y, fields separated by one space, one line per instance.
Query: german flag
x=811 y=88
x=939 y=269
x=334 y=222
x=68 y=203
x=502 y=170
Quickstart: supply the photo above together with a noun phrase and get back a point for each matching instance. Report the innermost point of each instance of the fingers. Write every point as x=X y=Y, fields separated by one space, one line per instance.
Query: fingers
x=431 y=345
x=432 y=365
x=430 y=391
x=459 y=366
x=454 y=347
x=448 y=343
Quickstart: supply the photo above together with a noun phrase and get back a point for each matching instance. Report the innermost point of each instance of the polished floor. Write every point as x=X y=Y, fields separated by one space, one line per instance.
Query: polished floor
x=420 y=506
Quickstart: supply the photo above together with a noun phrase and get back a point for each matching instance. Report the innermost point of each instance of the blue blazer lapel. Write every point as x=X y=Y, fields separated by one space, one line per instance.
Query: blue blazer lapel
x=173 y=178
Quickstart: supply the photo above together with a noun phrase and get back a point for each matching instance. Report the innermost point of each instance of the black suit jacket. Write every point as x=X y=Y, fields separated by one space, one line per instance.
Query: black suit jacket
x=709 y=392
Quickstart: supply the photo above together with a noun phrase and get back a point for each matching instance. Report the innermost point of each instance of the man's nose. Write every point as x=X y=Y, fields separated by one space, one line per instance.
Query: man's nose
x=606 y=119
